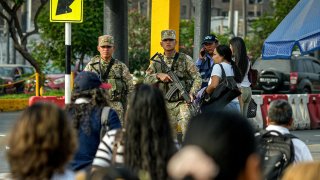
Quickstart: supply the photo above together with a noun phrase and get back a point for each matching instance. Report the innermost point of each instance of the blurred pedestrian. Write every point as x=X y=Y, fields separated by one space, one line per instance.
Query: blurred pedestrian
x=227 y=144
x=185 y=69
x=112 y=71
x=89 y=98
x=146 y=144
x=303 y=170
x=41 y=143
x=239 y=52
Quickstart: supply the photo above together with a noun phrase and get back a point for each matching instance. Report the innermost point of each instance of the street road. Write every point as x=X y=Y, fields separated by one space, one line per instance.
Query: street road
x=7 y=119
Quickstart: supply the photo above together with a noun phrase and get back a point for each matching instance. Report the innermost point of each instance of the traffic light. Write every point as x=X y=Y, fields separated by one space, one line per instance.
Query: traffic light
x=63 y=7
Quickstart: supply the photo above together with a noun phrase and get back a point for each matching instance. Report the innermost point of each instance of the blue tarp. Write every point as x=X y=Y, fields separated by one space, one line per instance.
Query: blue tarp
x=300 y=27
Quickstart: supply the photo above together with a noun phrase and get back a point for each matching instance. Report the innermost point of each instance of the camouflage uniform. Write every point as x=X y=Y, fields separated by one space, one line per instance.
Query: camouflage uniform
x=120 y=79
x=189 y=76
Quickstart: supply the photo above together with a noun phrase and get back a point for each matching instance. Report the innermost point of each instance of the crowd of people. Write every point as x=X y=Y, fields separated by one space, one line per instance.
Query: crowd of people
x=116 y=130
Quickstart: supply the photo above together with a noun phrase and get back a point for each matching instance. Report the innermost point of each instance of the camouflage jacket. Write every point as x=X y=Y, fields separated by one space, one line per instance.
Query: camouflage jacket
x=184 y=68
x=119 y=77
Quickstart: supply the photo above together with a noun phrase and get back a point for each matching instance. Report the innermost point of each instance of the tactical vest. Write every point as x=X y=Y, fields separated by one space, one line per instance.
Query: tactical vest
x=180 y=69
x=119 y=88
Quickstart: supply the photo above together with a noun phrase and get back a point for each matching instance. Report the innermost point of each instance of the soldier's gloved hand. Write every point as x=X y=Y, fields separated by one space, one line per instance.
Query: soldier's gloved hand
x=164 y=77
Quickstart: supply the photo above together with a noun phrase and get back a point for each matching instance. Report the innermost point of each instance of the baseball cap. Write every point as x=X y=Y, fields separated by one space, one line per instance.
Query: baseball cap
x=210 y=39
x=87 y=80
x=105 y=40
x=168 y=34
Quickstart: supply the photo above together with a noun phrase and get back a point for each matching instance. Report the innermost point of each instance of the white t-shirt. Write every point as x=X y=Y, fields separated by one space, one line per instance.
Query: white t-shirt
x=216 y=71
x=245 y=82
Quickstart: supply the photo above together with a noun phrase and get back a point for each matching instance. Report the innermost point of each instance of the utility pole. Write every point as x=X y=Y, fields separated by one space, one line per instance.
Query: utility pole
x=29 y=7
x=190 y=9
x=231 y=16
x=244 y=16
x=24 y=22
x=8 y=42
x=115 y=23
x=202 y=22
x=148 y=9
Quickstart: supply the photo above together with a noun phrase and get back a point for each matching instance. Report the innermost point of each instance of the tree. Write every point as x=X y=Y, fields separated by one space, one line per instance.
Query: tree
x=84 y=36
x=186 y=36
x=266 y=24
x=11 y=9
x=139 y=42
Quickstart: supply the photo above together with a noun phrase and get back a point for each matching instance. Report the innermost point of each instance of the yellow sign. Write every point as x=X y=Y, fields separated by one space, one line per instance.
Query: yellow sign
x=66 y=11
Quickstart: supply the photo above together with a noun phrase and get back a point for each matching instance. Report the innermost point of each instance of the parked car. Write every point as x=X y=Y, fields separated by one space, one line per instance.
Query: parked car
x=16 y=77
x=55 y=77
x=300 y=74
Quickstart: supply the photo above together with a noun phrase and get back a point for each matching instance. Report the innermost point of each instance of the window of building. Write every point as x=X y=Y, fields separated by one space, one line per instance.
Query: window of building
x=224 y=13
x=183 y=11
x=254 y=1
x=225 y=1
x=250 y=13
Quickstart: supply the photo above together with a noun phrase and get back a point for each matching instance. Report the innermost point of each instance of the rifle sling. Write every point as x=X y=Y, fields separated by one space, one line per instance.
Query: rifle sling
x=175 y=58
x=92 y=65
x=106 y=74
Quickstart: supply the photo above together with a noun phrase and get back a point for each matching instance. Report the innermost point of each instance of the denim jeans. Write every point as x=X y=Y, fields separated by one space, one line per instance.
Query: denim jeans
x=233 y=106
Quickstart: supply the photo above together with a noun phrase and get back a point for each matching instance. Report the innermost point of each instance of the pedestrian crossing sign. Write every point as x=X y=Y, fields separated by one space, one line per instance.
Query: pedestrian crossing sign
x=66 y=11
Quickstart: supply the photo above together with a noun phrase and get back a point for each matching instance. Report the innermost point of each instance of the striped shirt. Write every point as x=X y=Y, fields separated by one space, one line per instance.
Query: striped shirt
x=104 y=153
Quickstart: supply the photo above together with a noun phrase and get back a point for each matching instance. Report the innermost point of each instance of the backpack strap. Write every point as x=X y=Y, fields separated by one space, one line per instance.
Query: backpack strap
x=118 y=137
x=291 y=136
x=104 y=121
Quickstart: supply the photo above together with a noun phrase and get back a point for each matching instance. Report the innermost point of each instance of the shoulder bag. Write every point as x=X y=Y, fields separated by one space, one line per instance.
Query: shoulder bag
x=222 y=95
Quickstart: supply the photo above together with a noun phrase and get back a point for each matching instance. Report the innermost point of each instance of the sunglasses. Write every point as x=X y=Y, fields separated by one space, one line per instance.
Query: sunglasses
x=108 y=47
x=165 y=40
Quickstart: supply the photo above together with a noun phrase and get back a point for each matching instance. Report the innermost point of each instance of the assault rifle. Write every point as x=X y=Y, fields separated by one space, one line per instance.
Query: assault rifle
x=177 y=85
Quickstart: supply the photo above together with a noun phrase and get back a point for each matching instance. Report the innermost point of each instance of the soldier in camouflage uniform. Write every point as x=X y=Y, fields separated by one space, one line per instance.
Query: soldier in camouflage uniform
x=183 y=66
x=118 y=75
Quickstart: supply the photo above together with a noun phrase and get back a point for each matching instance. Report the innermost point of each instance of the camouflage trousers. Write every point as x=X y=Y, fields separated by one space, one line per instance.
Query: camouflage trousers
x=118 y=107
x=179 y=115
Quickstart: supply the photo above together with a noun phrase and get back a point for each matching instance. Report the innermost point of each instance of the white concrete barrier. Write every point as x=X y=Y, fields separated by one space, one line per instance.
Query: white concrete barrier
x=301 y=119
x=304 y=110
x=257 y=121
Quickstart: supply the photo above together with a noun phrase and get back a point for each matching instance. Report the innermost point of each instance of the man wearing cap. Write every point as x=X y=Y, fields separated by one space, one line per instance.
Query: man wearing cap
x=112 y=71
x=205 y=61
x=185 y=69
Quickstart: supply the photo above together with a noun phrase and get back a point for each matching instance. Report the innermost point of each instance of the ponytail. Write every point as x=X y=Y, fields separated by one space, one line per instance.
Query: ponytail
x=236 y=72
x=225 y=51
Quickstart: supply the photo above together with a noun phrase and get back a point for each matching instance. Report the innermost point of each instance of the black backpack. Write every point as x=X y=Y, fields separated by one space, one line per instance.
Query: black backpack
x=277 y=153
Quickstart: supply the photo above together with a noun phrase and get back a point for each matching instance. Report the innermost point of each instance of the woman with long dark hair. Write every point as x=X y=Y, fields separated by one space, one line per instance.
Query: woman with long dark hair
x=239 y=53
x=223 y=56
x=147 y=140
